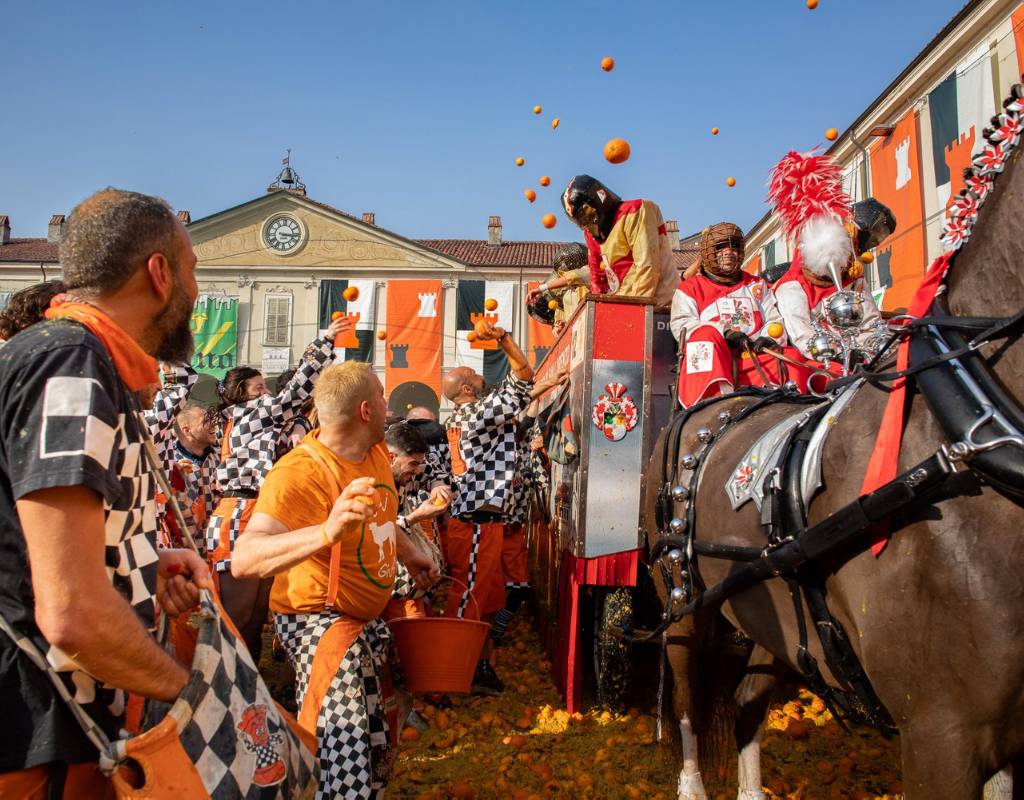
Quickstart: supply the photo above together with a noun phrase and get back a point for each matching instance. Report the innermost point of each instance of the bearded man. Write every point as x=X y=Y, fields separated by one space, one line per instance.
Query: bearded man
x=722 y=318
x=80 y=574
x=629 y=252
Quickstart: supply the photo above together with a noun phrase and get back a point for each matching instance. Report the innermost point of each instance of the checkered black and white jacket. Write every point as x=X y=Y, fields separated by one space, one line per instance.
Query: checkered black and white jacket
x=484 y=432
x=255 y=426
x=437 y=470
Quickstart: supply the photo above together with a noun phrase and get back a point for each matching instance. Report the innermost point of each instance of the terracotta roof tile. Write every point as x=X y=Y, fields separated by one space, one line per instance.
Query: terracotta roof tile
x=30 y=250
x=478 y=253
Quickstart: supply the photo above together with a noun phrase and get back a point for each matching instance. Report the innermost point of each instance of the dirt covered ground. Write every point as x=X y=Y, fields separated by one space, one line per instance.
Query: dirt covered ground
x=524 y=745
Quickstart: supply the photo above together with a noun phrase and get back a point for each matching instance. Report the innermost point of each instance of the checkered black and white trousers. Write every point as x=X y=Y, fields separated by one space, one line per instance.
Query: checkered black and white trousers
x=354 y=753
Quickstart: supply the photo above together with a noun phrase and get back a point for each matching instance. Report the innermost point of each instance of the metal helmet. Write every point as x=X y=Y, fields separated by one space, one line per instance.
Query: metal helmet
x=724 y=234
x=875 y=223
x=591 y=205
x=570 y=258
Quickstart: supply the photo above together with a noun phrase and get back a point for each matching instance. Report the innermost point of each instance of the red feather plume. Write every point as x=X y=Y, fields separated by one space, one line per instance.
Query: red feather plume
x=804 y=185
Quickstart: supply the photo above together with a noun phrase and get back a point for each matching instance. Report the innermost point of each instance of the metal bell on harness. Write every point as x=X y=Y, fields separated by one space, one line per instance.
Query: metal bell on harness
x=705 y=435
x=724 y=417
x=678 y=596
x=689 y=461
x=680 y=493
x=675 y=556
x=676 y=525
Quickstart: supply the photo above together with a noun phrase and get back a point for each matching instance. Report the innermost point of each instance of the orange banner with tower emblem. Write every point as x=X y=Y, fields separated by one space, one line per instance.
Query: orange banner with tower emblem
x=896 y=181
x=415 y=321
x=539 y=337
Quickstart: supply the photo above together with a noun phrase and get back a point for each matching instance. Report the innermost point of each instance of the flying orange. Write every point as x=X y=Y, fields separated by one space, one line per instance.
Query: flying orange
x=607 y=63
x=545 y=180
x=730 y=181
x=831 y=134
x=530 y=195
x=351 y=294
x=555 y=122
x=491 y=304
x=382 y=335
x=616 y=151
x=537 y=109
x=714 y=131
x=549 y=221
x=520 y=161
x=812 y=4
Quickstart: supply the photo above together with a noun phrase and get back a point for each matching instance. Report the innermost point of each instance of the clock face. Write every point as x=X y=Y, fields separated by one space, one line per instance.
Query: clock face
x=282 y=234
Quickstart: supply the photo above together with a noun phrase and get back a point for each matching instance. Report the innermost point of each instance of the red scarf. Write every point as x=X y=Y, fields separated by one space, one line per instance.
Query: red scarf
x=134 y=365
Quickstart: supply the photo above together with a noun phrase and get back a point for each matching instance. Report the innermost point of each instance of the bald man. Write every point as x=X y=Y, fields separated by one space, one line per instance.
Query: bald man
x=197 y=459
x=482 y=436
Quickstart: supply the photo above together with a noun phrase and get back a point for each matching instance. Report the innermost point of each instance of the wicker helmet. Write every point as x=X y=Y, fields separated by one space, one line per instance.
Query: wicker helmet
x=570 y=258
x=724 y=233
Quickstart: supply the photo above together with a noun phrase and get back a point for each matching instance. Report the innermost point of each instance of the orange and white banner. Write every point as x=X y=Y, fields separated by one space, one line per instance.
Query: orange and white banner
x=415 y=320
x=896 y=181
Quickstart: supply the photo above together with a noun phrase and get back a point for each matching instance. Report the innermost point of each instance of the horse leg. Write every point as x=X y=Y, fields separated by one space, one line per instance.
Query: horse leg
x=939 y=763
x=679 y=653
x=753 y=697
x=1000 y=785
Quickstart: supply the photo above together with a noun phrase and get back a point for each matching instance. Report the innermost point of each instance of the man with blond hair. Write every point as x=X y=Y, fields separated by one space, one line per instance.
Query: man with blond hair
x=325 y=527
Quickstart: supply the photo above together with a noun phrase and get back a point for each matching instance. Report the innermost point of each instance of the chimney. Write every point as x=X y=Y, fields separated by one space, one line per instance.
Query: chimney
x=672 y=228
x=55 y=231
x=494 y=231
x=369 y=218
x=185 y=216
x=5 y=229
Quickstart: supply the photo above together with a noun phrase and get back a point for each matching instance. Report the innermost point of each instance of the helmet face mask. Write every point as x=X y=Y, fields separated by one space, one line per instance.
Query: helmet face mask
x=722 y=249
x=875 y=223
x=591 y=205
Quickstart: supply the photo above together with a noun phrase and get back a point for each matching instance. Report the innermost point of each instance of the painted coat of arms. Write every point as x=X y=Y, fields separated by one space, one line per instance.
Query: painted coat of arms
x=615 y=413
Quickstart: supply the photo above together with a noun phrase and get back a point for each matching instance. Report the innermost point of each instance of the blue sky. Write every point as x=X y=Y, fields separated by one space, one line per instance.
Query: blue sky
x=417 y=110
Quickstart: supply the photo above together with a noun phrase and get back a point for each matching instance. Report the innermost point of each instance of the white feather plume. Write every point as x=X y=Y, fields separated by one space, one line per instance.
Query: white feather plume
x=823 y=240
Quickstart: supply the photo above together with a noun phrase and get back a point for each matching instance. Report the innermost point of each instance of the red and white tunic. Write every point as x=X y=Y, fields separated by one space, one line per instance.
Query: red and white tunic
x=801 y=303
x=703 y=310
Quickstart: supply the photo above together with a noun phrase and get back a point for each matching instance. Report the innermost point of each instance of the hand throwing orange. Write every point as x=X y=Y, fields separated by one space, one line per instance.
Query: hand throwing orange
x=335 y=315
x=482 y=328
x=616 y=151
x=351 y=294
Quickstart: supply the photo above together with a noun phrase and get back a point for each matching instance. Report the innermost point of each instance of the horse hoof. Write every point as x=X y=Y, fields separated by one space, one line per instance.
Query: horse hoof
x=691 y=787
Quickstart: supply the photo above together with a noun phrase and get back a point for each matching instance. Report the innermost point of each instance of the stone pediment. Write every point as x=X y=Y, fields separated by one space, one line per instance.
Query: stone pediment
x=328 y=238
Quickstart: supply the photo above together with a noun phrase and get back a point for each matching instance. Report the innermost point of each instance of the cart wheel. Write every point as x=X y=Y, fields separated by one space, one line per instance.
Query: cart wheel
x=612 y=666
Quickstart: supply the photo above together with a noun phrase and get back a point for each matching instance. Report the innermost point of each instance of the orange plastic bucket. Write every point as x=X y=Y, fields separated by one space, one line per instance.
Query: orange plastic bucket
x=439 y=654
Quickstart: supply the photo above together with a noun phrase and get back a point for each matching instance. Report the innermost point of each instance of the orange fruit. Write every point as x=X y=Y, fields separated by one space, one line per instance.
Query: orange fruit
x=410 y=735
x=548 y=221
x=442 y=721
x=714 y=131
x=517 y=740
x=530 y=195
x=552 y=304
x=335 y=315
x=832 y=134
x=471 y=337
x=351 y=294
x=555 y=122
x=462 y=790
x=775 y=330
x=607 y=63
x=438 y=501
x=537 y=109
x=382 y=335
x=616 y=151
x=812 y=4
x=545 y=180
x=867 y=257
x=520 y=161
x=490 y=304
x=730 y=181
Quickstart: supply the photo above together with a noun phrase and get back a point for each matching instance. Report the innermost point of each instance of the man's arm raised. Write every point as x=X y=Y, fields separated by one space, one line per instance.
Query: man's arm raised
x=77 y=608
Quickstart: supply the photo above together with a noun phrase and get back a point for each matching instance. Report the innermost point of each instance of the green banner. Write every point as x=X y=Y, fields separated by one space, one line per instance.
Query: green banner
x=215 y=330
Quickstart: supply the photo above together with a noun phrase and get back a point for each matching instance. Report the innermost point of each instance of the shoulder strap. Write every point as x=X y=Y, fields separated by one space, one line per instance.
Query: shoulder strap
x=334 y=571
x=225 y=437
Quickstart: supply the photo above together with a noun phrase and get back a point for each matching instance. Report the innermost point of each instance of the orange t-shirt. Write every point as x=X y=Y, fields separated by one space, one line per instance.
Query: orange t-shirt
x=299 y=493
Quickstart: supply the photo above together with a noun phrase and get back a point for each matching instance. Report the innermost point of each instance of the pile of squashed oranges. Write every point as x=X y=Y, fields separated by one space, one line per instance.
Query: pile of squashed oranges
x=524 y=745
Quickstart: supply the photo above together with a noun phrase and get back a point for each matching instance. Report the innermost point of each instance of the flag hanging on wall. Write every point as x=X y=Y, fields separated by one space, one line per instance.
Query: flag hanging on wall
x=896 y=181
x=415 y=319
x=960 y=108
x=358 y=347
x=487 y=358
x=539 y=337
x=215 y=331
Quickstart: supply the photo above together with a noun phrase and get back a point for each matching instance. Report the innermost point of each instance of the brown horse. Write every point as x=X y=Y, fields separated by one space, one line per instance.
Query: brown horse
x=937 y=620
